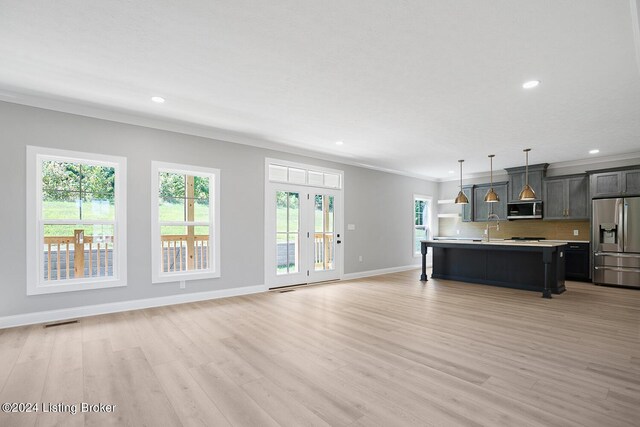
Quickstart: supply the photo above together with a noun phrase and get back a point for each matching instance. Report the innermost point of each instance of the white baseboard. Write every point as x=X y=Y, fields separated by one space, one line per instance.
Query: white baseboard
x=93 y=310
x=370 y=273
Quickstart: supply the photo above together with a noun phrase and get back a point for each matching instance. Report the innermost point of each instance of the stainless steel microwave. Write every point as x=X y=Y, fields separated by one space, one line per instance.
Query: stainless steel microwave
x=524 y=210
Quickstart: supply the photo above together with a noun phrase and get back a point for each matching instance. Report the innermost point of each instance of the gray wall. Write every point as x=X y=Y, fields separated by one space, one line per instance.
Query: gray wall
x=378 y=203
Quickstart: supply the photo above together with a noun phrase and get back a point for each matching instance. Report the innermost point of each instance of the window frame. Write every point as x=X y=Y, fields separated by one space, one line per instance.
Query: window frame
x=413 y=221
x=36 y=285
x=158 y=276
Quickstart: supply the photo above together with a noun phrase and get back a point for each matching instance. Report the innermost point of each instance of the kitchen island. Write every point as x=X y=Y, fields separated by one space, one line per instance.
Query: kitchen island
x=534 y=266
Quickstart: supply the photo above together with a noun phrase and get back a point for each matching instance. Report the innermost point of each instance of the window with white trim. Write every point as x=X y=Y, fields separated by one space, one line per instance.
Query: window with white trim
x=279 y=171
x=421 y=221
x=185 y=222
x=76 y=221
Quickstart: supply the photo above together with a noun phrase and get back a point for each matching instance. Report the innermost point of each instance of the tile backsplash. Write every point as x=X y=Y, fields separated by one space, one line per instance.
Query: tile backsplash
x=519 y=228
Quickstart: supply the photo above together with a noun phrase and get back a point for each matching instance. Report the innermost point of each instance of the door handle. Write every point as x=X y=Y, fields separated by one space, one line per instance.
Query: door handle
x=338 y=241
x=625 y=225
x=620 y=269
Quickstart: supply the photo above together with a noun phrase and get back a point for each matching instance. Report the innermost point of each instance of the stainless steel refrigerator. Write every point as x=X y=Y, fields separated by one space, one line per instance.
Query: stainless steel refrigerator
x=616 y=241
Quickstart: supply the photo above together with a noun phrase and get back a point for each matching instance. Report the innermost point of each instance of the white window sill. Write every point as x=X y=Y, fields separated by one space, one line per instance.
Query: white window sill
x=178 y=277
x=73 y=286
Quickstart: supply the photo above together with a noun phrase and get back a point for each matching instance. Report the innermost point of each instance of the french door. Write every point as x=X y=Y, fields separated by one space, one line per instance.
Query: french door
x=303 y=239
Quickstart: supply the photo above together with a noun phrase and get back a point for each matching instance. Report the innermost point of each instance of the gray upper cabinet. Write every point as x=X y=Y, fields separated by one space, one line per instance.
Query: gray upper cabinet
x=606 y=184
x=566 y=197
x=517 y=180
x=554 y=199
x=631 y=182
x=578 y=197
x=615 y=183
x=481 y=208
x=467 y=210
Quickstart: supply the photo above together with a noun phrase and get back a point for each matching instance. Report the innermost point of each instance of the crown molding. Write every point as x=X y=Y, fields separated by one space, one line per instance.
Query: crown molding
x=135 y=118
x=591 y=161
x=635 y=27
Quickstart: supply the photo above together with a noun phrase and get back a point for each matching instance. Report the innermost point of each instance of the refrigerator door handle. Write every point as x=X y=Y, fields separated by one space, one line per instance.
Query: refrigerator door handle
x=621 y=269
x=620 y=212
x=624 y=224
x=617 y=254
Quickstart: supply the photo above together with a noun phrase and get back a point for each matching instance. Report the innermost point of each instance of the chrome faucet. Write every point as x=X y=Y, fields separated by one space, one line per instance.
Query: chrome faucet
x=489 y=227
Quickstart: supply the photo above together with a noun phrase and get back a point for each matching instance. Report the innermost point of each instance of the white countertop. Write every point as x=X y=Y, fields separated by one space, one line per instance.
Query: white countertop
x=540 y=244
x=508 y=240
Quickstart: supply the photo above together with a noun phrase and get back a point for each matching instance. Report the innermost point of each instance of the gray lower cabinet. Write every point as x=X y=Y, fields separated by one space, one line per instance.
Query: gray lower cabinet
x=467 y=210
x=481 y=208
x=566 y=197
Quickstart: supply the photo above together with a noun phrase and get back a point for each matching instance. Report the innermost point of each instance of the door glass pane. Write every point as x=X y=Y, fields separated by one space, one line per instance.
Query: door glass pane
x=287 y=229
x=282 y=260
x=323 y=232
x=422 y=219
x=318 y=215
x=294 y=212
x=292 y=252
x=328 y=224
x=281 y=211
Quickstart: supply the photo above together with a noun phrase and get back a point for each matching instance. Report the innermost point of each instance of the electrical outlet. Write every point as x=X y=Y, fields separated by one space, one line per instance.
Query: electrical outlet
x=576 y=232
x=360 y=258
x=457 y=231
x=485 y=231
x=183 y=284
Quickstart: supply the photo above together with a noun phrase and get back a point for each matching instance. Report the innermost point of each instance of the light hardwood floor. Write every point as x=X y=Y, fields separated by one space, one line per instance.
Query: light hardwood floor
x=385 y=351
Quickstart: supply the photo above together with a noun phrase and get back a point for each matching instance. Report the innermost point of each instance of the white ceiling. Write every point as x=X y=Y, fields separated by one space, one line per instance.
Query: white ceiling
x=409 y=85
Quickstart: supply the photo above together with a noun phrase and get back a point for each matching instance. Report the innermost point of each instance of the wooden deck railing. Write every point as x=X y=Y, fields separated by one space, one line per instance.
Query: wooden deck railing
x=181 y=253
x=59 y=249
x=323 y=250
x=69 y=256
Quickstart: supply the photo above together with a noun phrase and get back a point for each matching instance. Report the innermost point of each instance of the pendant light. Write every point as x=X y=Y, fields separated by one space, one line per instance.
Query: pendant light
x=527 y=192
x=491 y=196
x=462 y=198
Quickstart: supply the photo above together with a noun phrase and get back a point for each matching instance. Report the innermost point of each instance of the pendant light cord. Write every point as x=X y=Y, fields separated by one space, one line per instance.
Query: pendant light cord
x=526 y=169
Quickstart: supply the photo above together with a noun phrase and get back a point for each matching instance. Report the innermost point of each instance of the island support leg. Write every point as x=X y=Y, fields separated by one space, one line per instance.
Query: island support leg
x=423 y=251
x=547 y=256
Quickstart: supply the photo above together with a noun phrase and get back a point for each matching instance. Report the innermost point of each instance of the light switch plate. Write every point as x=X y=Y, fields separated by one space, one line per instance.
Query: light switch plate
x=351 y=227
x=576 y=232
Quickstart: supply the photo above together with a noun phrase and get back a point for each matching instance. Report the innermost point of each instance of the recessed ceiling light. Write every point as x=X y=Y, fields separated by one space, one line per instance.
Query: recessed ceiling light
x=157 y=99
x=339 y=142
x=596 y=151
x=531 y=84
x=452 y=171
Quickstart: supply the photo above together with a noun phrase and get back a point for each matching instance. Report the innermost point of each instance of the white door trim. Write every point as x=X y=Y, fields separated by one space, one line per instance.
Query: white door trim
x=270 y=187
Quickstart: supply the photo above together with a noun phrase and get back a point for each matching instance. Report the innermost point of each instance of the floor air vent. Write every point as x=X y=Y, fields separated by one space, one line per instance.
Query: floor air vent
x=66 y=322
x=286 y=290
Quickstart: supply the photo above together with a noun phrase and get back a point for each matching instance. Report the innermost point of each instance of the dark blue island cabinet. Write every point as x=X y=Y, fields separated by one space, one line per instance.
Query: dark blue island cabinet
x=533 y=266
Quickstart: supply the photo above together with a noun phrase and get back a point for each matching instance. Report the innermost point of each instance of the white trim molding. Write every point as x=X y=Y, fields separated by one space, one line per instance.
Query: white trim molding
x=36 y=284
x=304 y=186
x=635 y=27
x=116 y=307
x=213 y=222
x=369 y=273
